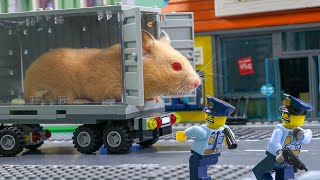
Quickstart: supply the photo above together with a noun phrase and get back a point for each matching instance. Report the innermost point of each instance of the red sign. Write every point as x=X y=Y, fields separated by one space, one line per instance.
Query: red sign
x=245 y=66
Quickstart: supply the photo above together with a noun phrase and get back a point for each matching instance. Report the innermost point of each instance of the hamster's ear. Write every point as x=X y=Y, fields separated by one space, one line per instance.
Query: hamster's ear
x=147 y=42
x=164 y=37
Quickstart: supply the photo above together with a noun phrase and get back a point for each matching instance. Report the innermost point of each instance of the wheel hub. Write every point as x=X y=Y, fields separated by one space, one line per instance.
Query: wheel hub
x=114 y=139
x=83 y=139
x=7 y=142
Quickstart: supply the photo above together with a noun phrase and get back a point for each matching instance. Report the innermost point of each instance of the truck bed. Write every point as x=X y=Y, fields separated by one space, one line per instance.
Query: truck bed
x=75 y=114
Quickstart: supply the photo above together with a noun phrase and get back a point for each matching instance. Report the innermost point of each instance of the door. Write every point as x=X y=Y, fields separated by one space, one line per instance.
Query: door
x=272 y=88
x=295 y=73
x=132 y=57
x=315 y=81
x=179 y=27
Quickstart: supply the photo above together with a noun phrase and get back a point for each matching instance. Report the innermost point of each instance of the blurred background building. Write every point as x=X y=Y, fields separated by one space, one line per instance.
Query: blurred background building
x=260 y=49
x=9 y=6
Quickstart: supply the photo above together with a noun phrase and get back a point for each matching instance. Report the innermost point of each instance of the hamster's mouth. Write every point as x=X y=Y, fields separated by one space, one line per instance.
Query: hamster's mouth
x=187 y=88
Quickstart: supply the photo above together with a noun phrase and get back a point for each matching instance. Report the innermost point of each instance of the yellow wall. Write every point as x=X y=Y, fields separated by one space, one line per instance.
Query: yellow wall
x=206 y=44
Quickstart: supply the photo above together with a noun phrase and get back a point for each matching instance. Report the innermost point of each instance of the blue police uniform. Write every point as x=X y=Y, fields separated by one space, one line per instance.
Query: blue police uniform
x=282 y=137
x=208 y=142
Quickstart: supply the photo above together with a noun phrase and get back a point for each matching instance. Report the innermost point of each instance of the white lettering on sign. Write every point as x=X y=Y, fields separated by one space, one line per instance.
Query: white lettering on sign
x=246 y=66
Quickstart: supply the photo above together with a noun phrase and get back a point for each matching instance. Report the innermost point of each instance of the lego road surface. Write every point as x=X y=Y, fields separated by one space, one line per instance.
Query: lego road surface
x=167 y=159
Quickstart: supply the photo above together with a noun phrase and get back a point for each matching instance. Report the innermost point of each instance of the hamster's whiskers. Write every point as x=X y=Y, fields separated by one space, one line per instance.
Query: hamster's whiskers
x=183 y=91
x=206 y=66
x=183 y=84
x=183 y=88
x=212 y=74
x=219 y=61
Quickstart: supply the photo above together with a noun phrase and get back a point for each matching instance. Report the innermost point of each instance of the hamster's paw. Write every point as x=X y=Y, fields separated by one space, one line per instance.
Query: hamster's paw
x=18 y=101
x=158 y=98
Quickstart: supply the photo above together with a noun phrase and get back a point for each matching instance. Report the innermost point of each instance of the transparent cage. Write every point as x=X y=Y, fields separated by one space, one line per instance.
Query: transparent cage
x=26 y=36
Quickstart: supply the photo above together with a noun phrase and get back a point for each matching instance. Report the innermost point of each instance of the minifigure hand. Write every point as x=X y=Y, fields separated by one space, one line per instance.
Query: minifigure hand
x=181 y=136
x=298 y=133
x=280 y=158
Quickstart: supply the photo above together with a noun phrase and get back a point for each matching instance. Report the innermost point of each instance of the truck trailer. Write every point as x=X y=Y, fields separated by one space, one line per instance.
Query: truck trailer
x=116 y=125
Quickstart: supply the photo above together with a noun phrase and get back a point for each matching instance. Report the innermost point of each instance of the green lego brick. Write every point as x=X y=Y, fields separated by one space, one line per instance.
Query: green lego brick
x=61 y=128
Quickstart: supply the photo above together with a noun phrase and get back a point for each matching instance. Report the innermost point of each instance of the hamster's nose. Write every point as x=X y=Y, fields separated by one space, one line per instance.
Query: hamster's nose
x=196 y=83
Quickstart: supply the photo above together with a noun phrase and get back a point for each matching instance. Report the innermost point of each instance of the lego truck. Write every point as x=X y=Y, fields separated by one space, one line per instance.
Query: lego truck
x=116 y=125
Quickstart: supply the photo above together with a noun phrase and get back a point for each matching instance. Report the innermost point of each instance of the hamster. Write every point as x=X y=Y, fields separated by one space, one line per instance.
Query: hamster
x=95 y=74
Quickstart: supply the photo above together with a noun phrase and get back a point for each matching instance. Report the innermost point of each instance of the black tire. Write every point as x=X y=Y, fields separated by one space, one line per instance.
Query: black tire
x=34 y=146
x=11 y=141
x=117 y=139
x=87 y=139
x=152 y=141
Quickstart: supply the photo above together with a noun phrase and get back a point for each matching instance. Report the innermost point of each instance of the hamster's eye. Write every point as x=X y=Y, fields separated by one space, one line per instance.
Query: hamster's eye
x=177 y=66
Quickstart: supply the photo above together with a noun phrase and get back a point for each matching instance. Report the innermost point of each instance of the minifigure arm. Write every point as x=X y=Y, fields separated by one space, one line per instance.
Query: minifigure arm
x=275 y=141
x=194 y=131
x=229 y=138
x=307 y=136
x=226 y=126
x=225 y=140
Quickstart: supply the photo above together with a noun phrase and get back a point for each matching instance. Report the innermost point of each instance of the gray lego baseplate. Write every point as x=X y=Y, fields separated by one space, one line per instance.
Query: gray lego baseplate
x=125 y=171
x=259 y=131
x=240 y=132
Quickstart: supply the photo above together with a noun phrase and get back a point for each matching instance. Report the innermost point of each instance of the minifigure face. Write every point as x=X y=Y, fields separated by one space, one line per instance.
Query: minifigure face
x=215 y=122
x=292 y=121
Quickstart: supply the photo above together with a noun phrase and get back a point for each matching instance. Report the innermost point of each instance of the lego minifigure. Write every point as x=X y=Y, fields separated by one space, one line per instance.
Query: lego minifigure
x=284 y=146
x=209 y=138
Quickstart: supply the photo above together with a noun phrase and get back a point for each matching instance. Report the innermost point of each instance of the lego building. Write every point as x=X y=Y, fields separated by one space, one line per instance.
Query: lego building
x=260 y=50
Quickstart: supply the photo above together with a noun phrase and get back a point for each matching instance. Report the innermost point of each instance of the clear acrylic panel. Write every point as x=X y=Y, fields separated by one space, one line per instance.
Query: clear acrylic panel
x=272 y=88
x=26 y=38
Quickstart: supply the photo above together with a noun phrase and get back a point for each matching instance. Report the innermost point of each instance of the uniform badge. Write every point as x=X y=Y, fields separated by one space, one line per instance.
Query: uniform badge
x=211 y=139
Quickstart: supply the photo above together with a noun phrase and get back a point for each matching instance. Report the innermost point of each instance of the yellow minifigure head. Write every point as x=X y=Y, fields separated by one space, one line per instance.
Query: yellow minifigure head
x=215 y=122
x=216 y=112
x=294 y=111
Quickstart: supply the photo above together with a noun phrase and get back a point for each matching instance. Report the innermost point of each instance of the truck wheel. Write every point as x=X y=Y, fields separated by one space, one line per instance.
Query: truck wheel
x=34 y=146
x=152 y=141
x=117 y=139
x=11 y=141
x=87 y=139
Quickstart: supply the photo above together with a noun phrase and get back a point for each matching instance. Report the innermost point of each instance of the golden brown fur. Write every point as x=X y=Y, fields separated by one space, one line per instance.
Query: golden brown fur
x=94 y=74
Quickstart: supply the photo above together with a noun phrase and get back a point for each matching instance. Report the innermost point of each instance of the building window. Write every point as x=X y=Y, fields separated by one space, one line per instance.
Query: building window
x=304 y=40
x=255 y=48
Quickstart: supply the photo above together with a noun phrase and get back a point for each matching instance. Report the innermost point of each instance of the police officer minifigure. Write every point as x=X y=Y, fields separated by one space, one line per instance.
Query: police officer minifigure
x=209 y=138
x=287 y=135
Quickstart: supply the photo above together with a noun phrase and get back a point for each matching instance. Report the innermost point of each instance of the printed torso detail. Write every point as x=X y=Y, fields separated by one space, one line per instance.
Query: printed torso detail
x=292 y=143
x=211 y=143
x=287 y=140
x=215 y=142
